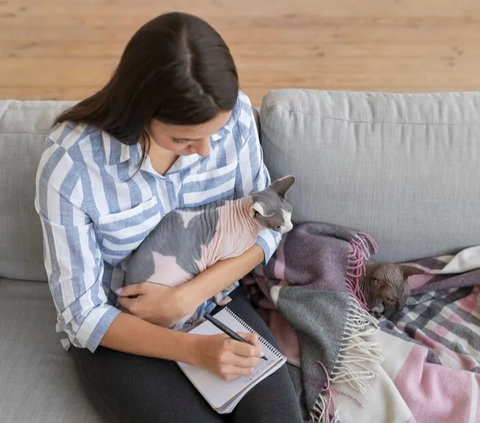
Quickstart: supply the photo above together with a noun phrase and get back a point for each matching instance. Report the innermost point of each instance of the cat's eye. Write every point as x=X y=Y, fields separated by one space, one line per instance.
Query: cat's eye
x=278 y=228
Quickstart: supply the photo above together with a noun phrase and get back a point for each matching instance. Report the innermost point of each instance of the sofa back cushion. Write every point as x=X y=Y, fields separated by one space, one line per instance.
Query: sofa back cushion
x=404 y=168
x=23 y=127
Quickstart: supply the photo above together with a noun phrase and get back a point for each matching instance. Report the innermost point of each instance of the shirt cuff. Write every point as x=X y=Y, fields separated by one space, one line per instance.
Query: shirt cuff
x=269 y=241
x=95 y=325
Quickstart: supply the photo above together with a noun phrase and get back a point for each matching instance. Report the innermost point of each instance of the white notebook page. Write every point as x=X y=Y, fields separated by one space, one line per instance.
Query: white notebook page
x=215 y=390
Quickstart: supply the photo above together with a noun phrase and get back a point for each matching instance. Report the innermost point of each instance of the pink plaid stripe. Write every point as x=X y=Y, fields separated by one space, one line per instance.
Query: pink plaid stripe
x=471 y=304
x=437 y=393
x=433 y=333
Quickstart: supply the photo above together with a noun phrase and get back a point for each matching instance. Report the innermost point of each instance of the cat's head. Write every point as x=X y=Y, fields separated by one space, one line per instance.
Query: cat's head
x=387 y=284
x=271 y=209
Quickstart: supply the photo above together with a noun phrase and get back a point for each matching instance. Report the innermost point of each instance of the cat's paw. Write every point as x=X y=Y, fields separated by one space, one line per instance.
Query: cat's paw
x=378 y=309
x=223 y=301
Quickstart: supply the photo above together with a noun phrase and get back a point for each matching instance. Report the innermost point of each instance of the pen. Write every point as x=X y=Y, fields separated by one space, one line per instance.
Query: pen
x=228 y=331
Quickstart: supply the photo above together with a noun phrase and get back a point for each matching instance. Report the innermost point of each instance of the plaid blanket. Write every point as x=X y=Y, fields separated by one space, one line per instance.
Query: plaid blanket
x=432 y=349
x=431 y=367
x=440 y=330
x=443 y=314
x=308 y=295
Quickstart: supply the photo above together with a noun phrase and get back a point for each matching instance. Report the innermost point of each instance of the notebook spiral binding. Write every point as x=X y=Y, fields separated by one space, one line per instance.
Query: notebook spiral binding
x=263 y=341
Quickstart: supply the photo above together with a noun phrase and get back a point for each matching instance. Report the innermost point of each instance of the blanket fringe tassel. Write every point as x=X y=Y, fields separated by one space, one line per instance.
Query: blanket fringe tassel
x=320 y=411
x=352 y=367
x=356 y=354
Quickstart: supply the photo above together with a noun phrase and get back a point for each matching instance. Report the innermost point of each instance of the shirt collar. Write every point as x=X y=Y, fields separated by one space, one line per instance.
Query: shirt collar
x=117 y=152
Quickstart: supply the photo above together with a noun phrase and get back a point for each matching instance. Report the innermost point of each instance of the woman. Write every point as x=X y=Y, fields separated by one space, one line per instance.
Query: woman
x=169 y=130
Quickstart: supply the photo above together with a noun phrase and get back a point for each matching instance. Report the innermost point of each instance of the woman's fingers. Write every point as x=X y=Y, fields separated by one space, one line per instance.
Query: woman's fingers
x=251 y=338
x=231 y=372
x=132 y=290
x=127 y=303
x=232 y=359
x=129 y=295
x=246 y=350
x=224 y=356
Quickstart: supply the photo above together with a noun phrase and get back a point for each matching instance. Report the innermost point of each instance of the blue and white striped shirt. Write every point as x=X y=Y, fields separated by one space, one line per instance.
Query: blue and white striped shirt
x=94 y=214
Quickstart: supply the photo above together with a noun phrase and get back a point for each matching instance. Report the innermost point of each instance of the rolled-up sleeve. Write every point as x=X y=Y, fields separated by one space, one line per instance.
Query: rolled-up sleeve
x=72 y=256
x=252 y=174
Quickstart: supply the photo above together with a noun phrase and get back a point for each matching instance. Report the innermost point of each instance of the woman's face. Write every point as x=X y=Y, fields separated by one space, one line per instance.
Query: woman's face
x=187 y=139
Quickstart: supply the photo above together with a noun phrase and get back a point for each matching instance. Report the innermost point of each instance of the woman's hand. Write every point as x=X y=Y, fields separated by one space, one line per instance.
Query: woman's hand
x=157 y=304
x=226 y=357
x=164 y=306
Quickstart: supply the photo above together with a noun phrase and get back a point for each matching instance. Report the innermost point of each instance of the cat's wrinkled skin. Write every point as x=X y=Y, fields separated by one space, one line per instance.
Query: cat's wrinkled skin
x=188 y=241
x=385 y=286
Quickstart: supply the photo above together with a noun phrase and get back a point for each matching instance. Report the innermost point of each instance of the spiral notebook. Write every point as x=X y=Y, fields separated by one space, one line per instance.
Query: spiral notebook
x=222 y=395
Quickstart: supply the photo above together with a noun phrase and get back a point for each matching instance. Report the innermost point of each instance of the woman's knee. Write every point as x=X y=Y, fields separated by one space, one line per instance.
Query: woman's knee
x=272 y=401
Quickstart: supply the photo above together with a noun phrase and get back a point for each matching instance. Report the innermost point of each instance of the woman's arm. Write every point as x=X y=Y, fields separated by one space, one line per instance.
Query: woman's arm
x=218 y=353
x=164 y=306
x=130 y=334
x=218 y=277
x=72 y=255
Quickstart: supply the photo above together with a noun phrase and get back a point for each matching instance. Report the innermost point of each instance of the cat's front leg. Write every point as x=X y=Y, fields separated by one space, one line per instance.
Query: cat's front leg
x=378 y=310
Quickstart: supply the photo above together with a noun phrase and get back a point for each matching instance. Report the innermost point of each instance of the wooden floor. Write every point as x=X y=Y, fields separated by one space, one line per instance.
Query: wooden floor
x=66 y=49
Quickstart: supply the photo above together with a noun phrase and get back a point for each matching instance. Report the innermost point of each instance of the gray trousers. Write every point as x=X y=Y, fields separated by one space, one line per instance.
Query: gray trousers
x=133 y=389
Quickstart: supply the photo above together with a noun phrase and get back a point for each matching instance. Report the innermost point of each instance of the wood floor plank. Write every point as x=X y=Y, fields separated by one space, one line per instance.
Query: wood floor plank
x=66 y=49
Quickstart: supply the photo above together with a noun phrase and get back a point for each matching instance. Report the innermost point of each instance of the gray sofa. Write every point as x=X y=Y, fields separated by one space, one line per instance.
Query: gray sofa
x=404 y=168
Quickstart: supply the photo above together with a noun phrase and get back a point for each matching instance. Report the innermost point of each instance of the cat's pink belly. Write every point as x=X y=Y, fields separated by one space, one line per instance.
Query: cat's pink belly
x=168 y=272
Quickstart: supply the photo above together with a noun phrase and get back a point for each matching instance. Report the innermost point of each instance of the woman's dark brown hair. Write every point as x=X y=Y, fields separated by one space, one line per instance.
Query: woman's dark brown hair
x=176 y=68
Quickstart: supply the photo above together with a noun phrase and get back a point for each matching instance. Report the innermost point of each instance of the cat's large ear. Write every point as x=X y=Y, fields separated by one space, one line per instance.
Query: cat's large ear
x=410 y=270
x=282 y=185
x=258 y=208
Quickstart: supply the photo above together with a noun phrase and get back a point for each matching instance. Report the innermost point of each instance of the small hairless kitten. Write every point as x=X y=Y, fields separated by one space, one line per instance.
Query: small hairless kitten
x=385 y=286
x=188 y=241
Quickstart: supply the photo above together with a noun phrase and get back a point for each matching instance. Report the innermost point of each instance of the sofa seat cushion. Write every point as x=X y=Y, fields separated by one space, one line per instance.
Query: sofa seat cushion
x=39 y=383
